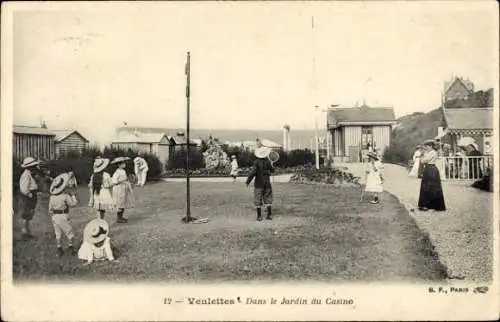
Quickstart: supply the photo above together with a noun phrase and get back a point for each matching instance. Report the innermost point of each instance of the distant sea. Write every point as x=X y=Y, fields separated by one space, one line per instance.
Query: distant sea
x=300 y=139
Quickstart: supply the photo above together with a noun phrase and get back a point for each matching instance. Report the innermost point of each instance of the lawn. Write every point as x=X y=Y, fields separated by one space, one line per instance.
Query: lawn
x=318 y=234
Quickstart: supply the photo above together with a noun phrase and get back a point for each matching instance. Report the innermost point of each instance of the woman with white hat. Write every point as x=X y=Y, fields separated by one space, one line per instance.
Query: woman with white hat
x=100 y=188
x=431 y=191
x=28 y=189
x=141 y=170
x=60 y=201
x=96 y=242
x=122 y=189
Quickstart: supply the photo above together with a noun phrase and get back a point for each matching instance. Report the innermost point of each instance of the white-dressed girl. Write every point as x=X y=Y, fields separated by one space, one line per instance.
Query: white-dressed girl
x=416 y=162
x=234 y=168
x=96 y=244
x=374 y=177
x=122 y=189
x=100 y=188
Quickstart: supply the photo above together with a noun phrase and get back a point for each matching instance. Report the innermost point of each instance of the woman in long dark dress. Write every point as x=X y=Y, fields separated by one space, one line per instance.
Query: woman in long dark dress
x=475 y=171
x=431 y=190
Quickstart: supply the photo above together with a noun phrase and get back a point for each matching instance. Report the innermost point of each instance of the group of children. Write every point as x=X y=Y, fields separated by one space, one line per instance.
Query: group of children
x=107 y=193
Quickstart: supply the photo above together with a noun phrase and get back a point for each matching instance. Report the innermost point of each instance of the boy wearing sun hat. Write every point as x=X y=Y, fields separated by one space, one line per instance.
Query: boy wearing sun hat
x=28 y=189
x=261 y=171
x=96 y=242
x=59 y=203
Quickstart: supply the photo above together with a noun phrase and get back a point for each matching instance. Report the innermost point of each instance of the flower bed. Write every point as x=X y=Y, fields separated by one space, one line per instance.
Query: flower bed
x=325 y=176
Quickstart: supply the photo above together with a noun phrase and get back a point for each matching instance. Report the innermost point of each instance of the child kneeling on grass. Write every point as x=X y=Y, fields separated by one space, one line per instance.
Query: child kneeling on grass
x=96 y=244
x=374 y=177
x=60 y=201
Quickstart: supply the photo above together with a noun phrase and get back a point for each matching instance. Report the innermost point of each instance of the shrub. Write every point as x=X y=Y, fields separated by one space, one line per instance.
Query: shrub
x=178 y=159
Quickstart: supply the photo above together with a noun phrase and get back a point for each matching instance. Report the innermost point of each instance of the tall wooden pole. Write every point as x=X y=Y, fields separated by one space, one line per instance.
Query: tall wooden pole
x=188 y=94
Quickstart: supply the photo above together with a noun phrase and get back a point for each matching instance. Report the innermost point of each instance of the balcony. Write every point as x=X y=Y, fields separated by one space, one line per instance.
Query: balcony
x=465 y=168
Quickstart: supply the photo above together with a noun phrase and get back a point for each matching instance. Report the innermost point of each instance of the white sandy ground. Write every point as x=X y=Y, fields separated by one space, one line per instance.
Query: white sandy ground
x=462 y=235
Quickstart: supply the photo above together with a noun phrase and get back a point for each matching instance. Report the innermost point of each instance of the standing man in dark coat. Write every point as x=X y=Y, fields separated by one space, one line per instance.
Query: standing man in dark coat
x=261 y=172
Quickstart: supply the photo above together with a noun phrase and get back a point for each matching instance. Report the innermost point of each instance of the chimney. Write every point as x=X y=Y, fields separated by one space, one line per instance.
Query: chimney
x=286 y=137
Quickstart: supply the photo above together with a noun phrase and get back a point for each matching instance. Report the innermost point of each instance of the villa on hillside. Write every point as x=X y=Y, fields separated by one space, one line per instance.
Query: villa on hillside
x=467 y=117
x=353 y=131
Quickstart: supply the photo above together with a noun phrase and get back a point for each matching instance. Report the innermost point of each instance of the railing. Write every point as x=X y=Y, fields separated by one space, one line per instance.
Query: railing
x=464 y=168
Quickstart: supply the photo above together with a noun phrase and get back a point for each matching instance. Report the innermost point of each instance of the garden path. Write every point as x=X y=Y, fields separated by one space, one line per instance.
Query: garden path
x=463 y=235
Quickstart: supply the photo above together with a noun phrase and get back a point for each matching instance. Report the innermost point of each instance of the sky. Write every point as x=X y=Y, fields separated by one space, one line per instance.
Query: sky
x=253 y=65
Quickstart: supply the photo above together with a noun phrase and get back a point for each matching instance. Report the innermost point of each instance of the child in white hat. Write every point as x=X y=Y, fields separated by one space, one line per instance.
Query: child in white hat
x=122 y=189
x=96 y=244
x=234 y=168
x=261 y=172
x=100 y=188
x=59 y=203
x=28 y=189
x=374 y=176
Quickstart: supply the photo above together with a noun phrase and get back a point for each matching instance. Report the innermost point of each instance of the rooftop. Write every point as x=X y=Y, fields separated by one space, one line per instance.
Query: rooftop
x=469 y=118
x=34 y=130
x=363 y=114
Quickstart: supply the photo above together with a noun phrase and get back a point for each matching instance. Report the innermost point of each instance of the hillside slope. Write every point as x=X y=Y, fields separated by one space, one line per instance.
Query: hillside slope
x=410 y=131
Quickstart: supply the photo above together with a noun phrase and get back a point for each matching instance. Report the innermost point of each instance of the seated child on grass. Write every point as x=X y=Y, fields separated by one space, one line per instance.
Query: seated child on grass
x=96 y=244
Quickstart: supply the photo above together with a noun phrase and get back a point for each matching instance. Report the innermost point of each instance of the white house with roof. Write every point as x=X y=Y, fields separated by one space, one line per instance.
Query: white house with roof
x=157 y=144
x=353 y=131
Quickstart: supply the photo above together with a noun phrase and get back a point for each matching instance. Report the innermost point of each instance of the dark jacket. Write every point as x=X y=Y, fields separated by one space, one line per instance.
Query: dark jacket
x=261 y=171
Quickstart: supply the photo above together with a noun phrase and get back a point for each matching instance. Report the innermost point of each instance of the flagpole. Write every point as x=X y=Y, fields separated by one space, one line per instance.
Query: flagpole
x=316 y=143
x=188 y=217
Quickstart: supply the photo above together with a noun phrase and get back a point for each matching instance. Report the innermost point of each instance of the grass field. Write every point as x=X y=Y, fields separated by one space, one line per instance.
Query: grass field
x=317 y=234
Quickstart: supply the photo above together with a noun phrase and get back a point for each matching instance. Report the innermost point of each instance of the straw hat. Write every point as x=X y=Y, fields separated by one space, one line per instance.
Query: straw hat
x=373 y=155
x=120 y=160
x=474 y=144
x=262 y=152
x=29 y=162
x=100 y=164
x=96 y=231
x=59 y=183
x=430 y=142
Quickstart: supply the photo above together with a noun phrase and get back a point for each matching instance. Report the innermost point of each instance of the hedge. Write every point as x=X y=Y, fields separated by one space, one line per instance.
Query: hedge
x=245 y=158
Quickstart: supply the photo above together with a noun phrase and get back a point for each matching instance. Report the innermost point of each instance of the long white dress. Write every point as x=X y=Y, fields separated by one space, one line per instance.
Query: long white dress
x=374 y=179
x=416 y=164
x=234 y=168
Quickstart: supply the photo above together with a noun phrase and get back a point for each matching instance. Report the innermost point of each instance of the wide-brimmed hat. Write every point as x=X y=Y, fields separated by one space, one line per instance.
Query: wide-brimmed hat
x=59 y=183
x=474 y=144
x=96 y=231
x=372 y=154
x=120 y=160
x=429 y=142
x=29 y=162
x=100 y=164
x=262 y=152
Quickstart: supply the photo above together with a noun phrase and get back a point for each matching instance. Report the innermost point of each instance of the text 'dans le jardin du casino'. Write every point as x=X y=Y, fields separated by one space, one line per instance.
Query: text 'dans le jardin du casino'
x=259 y=301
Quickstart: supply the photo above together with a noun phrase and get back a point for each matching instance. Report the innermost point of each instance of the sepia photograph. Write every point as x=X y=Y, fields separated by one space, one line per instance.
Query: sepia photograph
x=269 y=159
